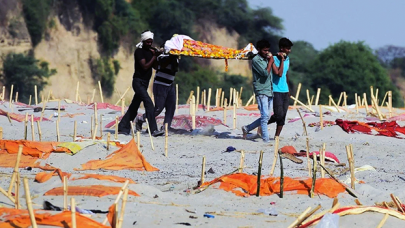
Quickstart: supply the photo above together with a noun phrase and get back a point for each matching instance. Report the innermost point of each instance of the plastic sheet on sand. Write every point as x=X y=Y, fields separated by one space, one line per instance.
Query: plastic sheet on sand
x=271 y=185
x=12 y=218
x=91 y=190
x=127 y=157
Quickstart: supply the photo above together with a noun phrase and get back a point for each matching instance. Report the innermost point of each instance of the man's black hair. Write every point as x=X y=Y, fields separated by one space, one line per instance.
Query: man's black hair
x=285 y=42
x=262 y=44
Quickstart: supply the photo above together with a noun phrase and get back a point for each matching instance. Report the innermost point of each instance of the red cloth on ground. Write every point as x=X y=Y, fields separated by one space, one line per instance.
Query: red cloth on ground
x=390 y=129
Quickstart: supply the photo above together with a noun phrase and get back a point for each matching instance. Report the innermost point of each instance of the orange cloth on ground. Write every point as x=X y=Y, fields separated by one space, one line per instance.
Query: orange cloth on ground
x=32 y=148
x=9 y=160
x=12 y=218
x=105 y=177
x=111 y=214
x=127 y=157
x=91 y=190
x=44 y=176
x=289 y=150
x=271 y=185
x=252 y=107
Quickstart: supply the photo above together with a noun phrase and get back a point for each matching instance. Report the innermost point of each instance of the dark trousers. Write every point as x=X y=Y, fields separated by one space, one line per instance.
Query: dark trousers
x=165 y=98
x=280 y=108
x=141 y=95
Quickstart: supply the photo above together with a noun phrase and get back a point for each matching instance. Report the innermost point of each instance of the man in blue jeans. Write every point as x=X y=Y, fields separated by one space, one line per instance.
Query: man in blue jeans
x=262 y=65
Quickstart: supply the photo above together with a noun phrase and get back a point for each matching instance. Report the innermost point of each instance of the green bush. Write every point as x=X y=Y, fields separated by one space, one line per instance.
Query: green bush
x=36 y=14
x=24 y=72
x=350 y=67
x=105 y=71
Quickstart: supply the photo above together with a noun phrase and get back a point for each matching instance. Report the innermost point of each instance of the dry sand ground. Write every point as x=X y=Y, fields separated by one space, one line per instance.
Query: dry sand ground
x=181 y=170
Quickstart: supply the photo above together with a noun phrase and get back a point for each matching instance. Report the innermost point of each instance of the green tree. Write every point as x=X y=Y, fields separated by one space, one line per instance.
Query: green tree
x=24 y=72
x=350 y=67
x=36 y=14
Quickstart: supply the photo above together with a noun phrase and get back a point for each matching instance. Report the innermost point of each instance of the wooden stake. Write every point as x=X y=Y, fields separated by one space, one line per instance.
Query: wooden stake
x=17 y=192
x=234 y=116
x=189 y=97
x=222 y=99
x=308 y=215
x=297 y=94
x=320 y=117
x=303 y=105
x=333 y=102
x=16 y=169
x=16 y=97
x=65 y=193
x=275 y=155
x=294 y=224
x=259 y=174
x=216 y=98
x=308 y=162
x=116 y=128
x=74 y=130
x=203 y=170
x=281 y=175
x=150 y=134
x=365 y=101
x=381 y=224
x=349 y=159
x=43 y=109
x=357 y=103
x=335 y=201
x=101 y=92
x=32 y=128
x=397 y=204
x=11 y=95
x=57 y=132
x=1 y=133
x=209 y=99
x=314 y=164
x=123 y=95
x=29 y=203
x=124 y=201
x=385 y=97
x=242 y=161
x=345 y=99
x=95 y=122
x=26 y=126
x=230 y=95
x=177 y=98
x=192 y=112
x=198 y=99
x=166 y=137
x=118 y=197
x=39 y=131
x=225 y=112
x=309 y=99
x=322 y=156
x=250 y=100
x=390 y=103
x=101 y=126
x=108 y=140
x=340 y=99
x=73 y=210
x=303 y=123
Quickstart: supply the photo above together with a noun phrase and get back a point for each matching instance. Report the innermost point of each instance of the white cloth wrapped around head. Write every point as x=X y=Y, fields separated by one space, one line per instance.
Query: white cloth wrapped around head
x=145 y=36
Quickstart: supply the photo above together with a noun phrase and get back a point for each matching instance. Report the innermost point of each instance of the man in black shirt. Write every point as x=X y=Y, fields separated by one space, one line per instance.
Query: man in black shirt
x=145 y=58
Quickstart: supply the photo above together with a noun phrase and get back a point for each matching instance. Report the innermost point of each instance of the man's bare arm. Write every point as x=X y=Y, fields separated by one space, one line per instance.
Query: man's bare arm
x=279 y=71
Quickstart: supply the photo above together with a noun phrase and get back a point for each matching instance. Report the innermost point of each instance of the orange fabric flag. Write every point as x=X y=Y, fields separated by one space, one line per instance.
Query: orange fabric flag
x=127 y=157
x=32 y=148
x=105 y=177
x=91 y=190
x=9 y=160
x=44 y=176
x=271 y=185
x=12 y=218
